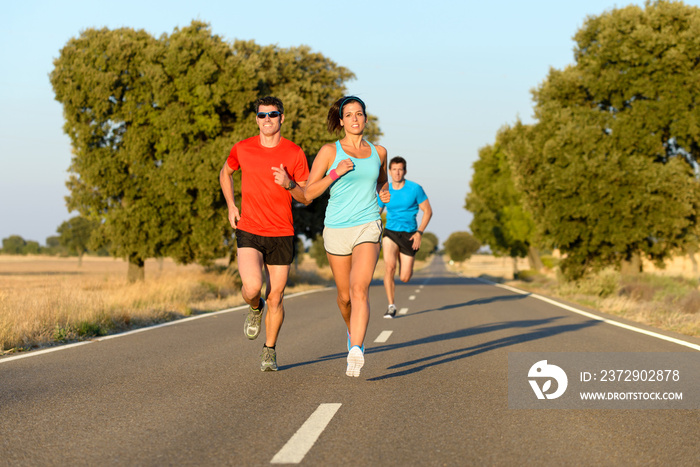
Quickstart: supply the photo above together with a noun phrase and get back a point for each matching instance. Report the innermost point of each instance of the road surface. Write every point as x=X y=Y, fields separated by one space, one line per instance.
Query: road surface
x=433 y=391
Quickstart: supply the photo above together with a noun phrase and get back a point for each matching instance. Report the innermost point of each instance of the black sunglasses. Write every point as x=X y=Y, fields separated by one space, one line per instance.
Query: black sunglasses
x=273 y=114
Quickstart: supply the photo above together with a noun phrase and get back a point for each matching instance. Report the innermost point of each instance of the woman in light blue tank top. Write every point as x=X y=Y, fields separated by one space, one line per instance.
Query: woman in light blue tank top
x=355 y=171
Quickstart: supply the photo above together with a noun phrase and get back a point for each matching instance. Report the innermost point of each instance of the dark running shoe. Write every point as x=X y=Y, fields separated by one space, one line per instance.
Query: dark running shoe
x=268 y=360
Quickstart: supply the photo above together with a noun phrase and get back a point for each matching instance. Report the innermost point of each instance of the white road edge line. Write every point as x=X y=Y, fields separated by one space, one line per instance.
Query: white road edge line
x=148 y=328
x=305 y=437
x=592 y=316
x=383 y=337
x=403 y=311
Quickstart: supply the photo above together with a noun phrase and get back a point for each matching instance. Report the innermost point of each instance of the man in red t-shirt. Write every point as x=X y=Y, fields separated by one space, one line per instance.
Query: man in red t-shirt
x=273 y=171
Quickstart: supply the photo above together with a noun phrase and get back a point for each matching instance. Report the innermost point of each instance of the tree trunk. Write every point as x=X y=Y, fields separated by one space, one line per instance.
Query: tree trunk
x=533 y=258
x=80 y=259
x=515 y=266
x=136 y=271
x=632 y=265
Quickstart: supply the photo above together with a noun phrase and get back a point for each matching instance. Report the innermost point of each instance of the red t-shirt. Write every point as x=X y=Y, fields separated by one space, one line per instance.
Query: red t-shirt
x=266 y=207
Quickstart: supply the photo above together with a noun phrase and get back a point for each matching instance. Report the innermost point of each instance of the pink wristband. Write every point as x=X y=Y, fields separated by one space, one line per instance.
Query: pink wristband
x=334 y=175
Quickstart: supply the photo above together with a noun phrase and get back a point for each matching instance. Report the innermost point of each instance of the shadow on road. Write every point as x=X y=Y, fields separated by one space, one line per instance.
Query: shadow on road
x=480 y=301
x=464 y=352
x=457 y=354
x=437 y=275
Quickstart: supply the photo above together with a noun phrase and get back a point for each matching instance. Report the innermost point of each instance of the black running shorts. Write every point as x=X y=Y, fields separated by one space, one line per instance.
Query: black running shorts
x=403 y=240
x=276 y=251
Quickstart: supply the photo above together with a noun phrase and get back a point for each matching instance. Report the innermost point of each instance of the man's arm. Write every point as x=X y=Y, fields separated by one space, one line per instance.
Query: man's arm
x=427 y=214
x=283 y=180
x=298 y=193
x=226 y=182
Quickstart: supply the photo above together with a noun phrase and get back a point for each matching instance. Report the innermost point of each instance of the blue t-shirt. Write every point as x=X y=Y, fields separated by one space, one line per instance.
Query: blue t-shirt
x=402 y=208
x=353 y=198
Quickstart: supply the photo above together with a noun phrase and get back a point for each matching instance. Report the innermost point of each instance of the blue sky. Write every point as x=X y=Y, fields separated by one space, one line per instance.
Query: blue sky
x=441 y=76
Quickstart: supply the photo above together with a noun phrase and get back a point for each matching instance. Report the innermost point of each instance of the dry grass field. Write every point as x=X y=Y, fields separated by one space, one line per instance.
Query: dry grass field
x=667 y=298
x=45 y=300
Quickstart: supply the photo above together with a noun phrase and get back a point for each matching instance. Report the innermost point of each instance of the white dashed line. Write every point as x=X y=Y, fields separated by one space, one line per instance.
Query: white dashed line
x=403 y=311
x=417 y=290
x=383 y=337
x=305 y=437
x=412 y=297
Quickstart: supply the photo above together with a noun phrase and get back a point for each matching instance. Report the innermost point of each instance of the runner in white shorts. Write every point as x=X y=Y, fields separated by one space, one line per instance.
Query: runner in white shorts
x=355 y=171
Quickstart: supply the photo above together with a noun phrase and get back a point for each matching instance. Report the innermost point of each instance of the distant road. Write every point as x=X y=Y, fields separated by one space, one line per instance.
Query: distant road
x=434 y=390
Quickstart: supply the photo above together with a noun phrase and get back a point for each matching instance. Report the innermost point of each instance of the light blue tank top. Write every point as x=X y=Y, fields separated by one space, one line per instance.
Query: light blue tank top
x=354 y=195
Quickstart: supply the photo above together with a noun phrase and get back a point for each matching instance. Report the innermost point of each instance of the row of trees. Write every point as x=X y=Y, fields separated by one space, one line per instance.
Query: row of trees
x=151 y=121
x=608 y=173
x=74 y=238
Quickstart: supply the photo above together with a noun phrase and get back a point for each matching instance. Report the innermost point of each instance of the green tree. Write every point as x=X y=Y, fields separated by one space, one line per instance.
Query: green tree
x=53 y=245
x=609 y=170
x=101 y=80
x=32 y=247
x=74 y=235
x=13 y=245
x=152 y=120
x=461 y=246
x=500 y=218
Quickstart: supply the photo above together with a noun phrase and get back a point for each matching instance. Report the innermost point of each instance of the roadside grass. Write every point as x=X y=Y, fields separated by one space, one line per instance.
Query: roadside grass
x=47 y=301
x=668 y=299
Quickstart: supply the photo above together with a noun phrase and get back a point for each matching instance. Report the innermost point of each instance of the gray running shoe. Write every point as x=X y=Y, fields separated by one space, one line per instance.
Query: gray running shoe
x=269 y=359
x=390 y=312
x=253 y=321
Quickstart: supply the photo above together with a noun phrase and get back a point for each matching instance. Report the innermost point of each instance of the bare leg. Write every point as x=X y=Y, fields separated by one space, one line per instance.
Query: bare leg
x=275 y=296
x=340 y=266
x=391 y=255
x=250 y=267
x=406 y=271
x=364 y=260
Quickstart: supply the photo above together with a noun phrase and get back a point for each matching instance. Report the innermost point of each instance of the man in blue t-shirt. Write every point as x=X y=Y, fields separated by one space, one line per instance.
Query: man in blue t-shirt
x=401 y=237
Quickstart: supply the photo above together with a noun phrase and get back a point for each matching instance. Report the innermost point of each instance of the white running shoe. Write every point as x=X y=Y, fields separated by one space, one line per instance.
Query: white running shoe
x=356 y=360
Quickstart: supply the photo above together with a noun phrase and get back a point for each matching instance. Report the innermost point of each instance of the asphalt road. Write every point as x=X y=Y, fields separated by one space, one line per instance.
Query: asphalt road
x=435 y=392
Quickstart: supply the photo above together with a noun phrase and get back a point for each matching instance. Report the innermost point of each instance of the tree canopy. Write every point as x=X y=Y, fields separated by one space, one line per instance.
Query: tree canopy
x=75 y=235
x=461 y=246
x=500 y=219
x=609 y=170
x=151 y=121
